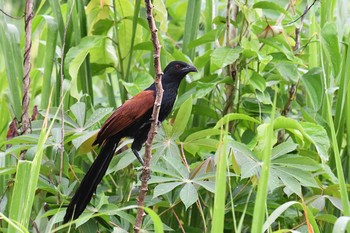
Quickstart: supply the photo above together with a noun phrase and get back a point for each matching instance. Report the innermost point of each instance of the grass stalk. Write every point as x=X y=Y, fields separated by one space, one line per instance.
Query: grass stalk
x=220 y=184
x=261 y=196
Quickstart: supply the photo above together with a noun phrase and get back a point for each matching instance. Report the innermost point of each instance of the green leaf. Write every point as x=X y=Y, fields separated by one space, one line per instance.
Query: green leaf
x=174 y=163
x=257 y=82
x=319 y=138
x=77 y=142
x=50 y=49
x=282 y=149
x=341 y=224
x=78 y=110
x=208 y=185
x=288 y=71
x=161 y=14
x=182 y=118
x=205 y=144
x=99 y=23
x=297 y=161
x=313 y=84
x=125 y=9
x=246 y=159
x=188 y=195
x=206 y=38
x=157 y=222
x=76 y=56
x=291 y=183
x=305 y=178
x=224 y=56
x=19 y=199
x=277 y=213
x=161 y=189
x=232 y=117
x=202 y=134
x=201 y=61
x=96 y=116
x=330 y=42
x=270 y=5
x=140 y=82
x=7 y=170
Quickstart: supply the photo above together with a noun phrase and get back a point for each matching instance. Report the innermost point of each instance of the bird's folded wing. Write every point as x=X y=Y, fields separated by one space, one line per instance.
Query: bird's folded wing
x=124 y=116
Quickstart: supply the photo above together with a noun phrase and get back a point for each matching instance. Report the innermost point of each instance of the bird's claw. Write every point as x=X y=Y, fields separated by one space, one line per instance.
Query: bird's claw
x=146 y=179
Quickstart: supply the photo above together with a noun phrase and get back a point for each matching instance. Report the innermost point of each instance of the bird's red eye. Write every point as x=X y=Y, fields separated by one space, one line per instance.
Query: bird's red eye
x=177 y=66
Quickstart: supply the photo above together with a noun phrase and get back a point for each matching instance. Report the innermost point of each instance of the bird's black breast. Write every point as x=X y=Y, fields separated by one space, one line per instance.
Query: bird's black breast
x=168 y=101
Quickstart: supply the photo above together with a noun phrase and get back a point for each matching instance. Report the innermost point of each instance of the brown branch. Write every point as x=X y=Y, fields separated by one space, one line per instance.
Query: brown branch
x=29 y=14
x=159 y=94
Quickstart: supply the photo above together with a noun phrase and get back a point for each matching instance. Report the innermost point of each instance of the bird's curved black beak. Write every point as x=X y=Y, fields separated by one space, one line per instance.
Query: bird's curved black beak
x=190 y=68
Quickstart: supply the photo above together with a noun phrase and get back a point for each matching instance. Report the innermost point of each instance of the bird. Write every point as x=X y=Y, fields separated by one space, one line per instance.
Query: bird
x=132 y=120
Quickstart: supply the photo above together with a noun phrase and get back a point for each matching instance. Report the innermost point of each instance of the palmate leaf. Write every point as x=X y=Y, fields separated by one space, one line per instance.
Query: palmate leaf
x=311 y=132
x=290 y=170
x=188 y=195
x=177 y=175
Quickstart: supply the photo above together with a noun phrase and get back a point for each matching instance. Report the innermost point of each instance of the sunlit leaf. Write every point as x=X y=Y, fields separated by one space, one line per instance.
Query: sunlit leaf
x=224 y=56
x=188 y=195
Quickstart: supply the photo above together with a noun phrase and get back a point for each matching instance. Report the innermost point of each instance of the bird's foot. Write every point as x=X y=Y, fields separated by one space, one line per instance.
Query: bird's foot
x=147 y=178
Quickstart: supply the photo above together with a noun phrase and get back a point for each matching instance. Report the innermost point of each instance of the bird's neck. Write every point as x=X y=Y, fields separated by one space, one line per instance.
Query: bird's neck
x=168 y=86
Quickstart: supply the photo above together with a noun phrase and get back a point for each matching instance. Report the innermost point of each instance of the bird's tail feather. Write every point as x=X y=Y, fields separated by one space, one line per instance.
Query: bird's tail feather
x=89 y=183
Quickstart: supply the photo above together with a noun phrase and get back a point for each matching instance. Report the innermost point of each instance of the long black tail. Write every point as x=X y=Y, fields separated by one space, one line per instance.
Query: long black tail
x=92 y=178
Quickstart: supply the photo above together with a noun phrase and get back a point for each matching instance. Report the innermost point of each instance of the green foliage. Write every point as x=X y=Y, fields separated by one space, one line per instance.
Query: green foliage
x=258 y=140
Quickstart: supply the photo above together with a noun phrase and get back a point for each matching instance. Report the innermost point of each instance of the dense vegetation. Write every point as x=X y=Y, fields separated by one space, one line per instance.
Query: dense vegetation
x=258 y=139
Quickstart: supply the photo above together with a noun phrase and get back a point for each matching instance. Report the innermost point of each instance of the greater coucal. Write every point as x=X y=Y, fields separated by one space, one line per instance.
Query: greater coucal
x=133 y=120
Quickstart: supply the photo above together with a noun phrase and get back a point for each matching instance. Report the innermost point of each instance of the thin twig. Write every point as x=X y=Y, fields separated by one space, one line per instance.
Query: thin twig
x=29 y=14
x=298 y=30
x=303 y=15
x=178 y=221
x=183 y=156
x=10 y=16
x=62 y=90
x=159 y=94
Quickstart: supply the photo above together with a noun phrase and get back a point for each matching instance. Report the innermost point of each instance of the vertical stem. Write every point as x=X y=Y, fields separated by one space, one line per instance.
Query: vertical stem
x=159 y=94
x=62 y=90
x=29 y=14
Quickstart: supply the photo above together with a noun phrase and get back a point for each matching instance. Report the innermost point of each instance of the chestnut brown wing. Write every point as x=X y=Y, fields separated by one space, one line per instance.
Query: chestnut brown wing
x=124 y=116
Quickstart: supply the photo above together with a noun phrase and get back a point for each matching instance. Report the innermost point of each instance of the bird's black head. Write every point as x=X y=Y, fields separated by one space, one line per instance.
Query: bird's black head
x=178 y=70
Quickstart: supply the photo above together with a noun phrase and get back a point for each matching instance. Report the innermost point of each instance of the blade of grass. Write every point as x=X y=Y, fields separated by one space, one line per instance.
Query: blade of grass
x=26 y=184
x=9 y=38
x=190 y=33
x=220 y=184
x=56 y=9
x=51 y=40
x=134 y=27
x=340 y=111
x=261 y=196
x=191 y=26
x=18 y=208
x=335 y=149
x=86 y=78
x=17 y=226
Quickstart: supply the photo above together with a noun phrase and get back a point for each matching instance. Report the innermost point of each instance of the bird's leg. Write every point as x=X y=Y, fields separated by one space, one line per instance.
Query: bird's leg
x=141 y=161
x=136 y=153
